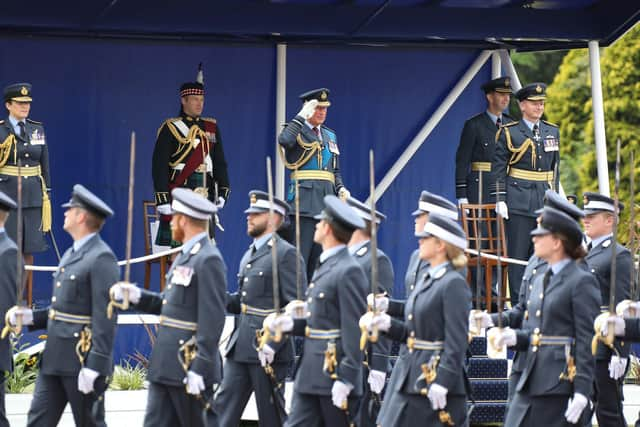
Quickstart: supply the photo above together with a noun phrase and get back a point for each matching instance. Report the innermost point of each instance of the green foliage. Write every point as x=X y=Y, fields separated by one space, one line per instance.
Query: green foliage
x=128 y=377
x=25 y=370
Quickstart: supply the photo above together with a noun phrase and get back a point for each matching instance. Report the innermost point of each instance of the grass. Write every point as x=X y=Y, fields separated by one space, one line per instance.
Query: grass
x=128 y=377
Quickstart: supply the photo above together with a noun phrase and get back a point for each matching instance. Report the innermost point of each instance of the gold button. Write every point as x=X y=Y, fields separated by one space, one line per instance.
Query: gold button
x=309 y=299
x=411 y=287
x=260 y=273
x=541 y=295
x=528 y=301
x=26 y=155
x=536 y=331
x=244 y=293
x=311 y=285
x=534 y=271
x=412 y=334
x=73 y=277
x=530 y=287
x=169 y=286
x=538 y=313
x=164 y=301
x=534 y=349
x=53 y=299
x=58 y=284
x=308 y=314
x=246 y=279
x=180 y=342
x=75 y=334
x=248 y=265
x=410 y=316
x=526 y=314
x=321 y=295
x=62 y=270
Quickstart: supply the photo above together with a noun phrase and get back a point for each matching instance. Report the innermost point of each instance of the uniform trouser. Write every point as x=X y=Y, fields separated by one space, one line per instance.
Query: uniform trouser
x=239 y=380
x=310 y=410
x=608 y=397
x=171 y=406
x=309 y=249
x=51 y=396
x=536 y=411
x=366 y=416
x=519 y=246
x=3 y=413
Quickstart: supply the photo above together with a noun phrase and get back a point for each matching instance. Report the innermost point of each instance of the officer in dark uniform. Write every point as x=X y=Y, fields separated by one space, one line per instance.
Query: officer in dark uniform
x=23 y=139
x=192 y=317
x=572 y=198
x=435 y=331
x=243 y=372
x=513 y=317
x=312 y=155
x=599 y=219
x=8 y=280
x=477 y=144
x=377 y=353
x=525 y=165
x=188 y=153
x=556 y=332
x=328 y=380
x=76 y=320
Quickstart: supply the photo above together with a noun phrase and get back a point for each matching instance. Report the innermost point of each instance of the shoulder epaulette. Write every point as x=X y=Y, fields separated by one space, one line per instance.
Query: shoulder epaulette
x=209 y=119
x=550 y=124
x=328 y=128
x=166 y=122
x=33 y=122
x=506 y=125
x=2 y=122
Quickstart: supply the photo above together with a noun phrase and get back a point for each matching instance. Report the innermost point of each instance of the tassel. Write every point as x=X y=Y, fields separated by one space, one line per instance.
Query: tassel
x=46 y=212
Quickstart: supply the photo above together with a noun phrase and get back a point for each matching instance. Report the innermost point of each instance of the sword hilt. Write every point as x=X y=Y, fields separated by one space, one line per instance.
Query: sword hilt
x=16 y=329
x=113 y=302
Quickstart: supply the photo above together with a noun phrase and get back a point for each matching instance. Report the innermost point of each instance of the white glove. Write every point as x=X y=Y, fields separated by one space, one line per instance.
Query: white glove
x=339 y=393
x=296 y=309
x=220 y=203
x=617 y=366
x=194 y=382
x=479 y=319
x=463 y=201
x=502 y=337
x=575 y=407
x=343 y=193
x=26 y=313
x=438 y=396
x=502 y=210
x=86 y=378
x=164 y=209
x=382 y=302
x=266 y=355
x=119 y=288
x=382 y=321
x=283 y=322
x=308 y=109
x=628 y=309
x=618 y=326
x=376 y=380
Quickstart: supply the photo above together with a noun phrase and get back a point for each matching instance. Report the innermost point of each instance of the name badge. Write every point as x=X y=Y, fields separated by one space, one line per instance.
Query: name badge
x=333 y=147
x=211 y=137
x=37 y=137
x=551 y=143
x=182 y=275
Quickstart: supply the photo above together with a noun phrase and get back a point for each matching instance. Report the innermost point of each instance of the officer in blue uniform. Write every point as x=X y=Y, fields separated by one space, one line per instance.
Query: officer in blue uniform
x=556 y=331
x=525 y=166
x=76 y=320
x=377 y=354
x=328 y=380
x=312 y=155
x=192 y=317
x=243 y=373
x=599 y=218
x=8 y=278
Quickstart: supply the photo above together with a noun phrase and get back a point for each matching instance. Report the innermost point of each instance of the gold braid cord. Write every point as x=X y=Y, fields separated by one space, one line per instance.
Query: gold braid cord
x=84 y=344
x=185 y=144
x=5 y=150
x=310 y=148
x=518 y=153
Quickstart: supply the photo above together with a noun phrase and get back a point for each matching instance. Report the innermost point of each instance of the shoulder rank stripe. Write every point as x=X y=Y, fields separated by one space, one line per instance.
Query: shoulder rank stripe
x=209 y=119
x=550 y=124
x=33 y=122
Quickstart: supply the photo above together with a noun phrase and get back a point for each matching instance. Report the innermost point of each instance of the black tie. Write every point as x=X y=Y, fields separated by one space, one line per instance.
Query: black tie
x=316 y=131
x=23 y=134
x=498 y=122
x=589 y=246
x=546 y=279
x=536 y=132
x=253 y=249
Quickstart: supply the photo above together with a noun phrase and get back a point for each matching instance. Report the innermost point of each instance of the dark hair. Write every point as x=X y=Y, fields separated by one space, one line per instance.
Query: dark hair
x=573 y=249
x=341 y=233
x=93 y=221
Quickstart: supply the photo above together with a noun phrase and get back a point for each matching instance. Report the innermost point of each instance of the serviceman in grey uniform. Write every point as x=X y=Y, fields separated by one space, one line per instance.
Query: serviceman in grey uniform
x=312 y=155
x=77 y=316
x=8 y=289
x=377 y=354
x=556 y=332
x=610 y=367
x=243 y=373
x=435 y=331
x=328 y=380
x=525 y=165
x=192 y=317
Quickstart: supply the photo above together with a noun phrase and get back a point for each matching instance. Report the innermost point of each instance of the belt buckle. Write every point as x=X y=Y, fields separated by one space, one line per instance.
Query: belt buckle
x=411 y=341
x=52 y=314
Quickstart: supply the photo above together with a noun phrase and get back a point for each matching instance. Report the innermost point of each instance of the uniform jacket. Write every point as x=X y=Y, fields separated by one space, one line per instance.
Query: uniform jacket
x=524 y=197
x=8 y=264
x=416 y=272
x=598 y=262
x=477 y=144
x=255 y=288
x=312 y=191
x=80 y=286
x=381 y=349
x=336 y=298
x=32 y=151
x=195 y=292
x=168 y=149
x=568 y=308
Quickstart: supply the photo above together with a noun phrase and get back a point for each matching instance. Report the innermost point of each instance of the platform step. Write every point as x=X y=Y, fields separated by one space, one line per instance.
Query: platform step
x=482 y=367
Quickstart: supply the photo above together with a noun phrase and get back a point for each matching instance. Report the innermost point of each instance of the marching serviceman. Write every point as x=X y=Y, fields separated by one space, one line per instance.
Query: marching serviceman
x=8 y=287
x=312 y=155
x=477 y=144
x=78 y=356
x=435 y=331
x=328 y=380
x=599 y=219
x=556 y=332
x=377 y=354
x=243 y=373
x=188 y=153
x=192 y=317
x=525 y=165
x=22 y=139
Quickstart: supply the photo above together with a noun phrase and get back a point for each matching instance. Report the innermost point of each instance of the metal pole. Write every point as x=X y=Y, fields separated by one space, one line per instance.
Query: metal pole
x=496 y=65
x=281 y=94
x=510 y=70
x=598 y=118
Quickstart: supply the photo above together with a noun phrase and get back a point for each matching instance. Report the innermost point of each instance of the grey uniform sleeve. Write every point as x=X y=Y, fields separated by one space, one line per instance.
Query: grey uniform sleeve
x=288 y=136
x=586 y=306
x=500 y=161
x=463 y=159
x=8 y=280
x=150 y=302
x=623 y=291
x=380 y=350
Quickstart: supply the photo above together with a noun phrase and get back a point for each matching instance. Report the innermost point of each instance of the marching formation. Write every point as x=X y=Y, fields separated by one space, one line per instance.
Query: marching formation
x=314 y=280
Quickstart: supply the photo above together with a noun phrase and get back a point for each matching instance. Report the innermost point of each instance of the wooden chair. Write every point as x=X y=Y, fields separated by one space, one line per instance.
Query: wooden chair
x=151 y=215
x=481 y=220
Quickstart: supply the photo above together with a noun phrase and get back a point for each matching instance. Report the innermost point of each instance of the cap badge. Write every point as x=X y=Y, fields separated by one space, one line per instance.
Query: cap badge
x=24 y=91
x=253 y=199
x=507 y=82
x=323 y=95
x=539 y=89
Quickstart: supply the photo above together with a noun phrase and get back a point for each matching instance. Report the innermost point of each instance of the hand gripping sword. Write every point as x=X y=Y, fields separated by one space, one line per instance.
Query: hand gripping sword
x=494 y=351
